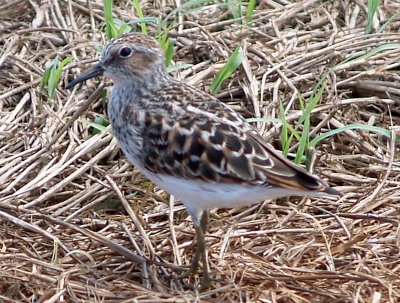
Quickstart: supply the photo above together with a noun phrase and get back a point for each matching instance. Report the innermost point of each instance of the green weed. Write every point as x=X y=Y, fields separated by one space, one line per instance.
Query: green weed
x=302 y=128
x=111 y=29
x=235 y=8
x=368 y=128
x=234 y=61
x=370 y=53
x=139 y=11
x=250 y=11
x=99 y=125
x=372 y=8
x=52 y=74
x=387 y=23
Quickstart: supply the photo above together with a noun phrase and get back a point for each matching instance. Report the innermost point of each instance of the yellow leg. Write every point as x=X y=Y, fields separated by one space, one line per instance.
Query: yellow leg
x=205 y=280
x=201 y=252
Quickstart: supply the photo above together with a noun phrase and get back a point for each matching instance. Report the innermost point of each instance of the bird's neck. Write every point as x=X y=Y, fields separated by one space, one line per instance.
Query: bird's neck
x=132 y=94
x=135 y=85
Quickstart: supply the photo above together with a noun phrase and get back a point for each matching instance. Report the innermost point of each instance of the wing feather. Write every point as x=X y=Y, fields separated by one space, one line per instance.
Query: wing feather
x=206 y=140
x=215 y=152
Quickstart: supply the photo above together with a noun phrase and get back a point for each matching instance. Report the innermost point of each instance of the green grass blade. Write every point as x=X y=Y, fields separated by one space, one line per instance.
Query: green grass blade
x=284 y=134
x=234 y=61
x=45 y=77
x=123 y=29
x=304 y=120
x=372 y=8
x=144 y=20
x=51 y=84
x=304 y=141
x=250 y=11
x=52 y=75
x=99 y=125
x=369 y=128
x=178 y=67
x=387 y=23
x=314 y=99
x=169 y=52
x=57 y=75
x=139 y=11
x=293 y=133
x=60 y=67
x=166 y=44
x=264 y=119
x=303 y=123
x=110 y=27
x=235 y=8
x=372 y=52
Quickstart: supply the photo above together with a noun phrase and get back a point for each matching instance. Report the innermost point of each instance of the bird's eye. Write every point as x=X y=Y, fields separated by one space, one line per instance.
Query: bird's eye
x=125 y=52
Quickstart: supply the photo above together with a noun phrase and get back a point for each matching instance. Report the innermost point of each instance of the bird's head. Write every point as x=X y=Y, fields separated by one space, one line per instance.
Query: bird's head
x=134 y=58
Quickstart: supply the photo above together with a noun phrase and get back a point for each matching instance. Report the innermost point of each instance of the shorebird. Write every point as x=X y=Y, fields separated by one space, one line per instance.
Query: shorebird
x=188 y=142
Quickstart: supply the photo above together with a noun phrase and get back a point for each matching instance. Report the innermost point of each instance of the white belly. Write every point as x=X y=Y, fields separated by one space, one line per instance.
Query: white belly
x=198 y=196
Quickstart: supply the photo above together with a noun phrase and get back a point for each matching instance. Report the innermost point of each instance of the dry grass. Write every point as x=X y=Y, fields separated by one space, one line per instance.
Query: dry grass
x=78 y=224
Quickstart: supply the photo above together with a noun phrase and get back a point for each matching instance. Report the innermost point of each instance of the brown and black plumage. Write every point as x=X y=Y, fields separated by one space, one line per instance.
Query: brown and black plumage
x=188 y=142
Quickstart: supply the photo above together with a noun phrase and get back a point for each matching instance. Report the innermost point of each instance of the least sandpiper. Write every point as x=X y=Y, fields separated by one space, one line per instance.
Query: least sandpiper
x=188 y=142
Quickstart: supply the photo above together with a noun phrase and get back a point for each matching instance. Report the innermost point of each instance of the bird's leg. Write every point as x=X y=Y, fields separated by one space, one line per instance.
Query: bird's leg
x=200 y=253
x=199 y=250
x=205 y=280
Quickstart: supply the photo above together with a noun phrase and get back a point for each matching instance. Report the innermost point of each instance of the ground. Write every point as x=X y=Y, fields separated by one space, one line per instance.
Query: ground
x=77 y=220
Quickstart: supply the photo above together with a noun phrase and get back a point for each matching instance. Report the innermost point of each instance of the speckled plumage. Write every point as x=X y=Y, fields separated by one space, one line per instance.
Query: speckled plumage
x=187 y=141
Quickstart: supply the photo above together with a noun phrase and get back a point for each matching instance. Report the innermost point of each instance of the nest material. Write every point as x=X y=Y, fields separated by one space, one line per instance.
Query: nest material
x=79 y=224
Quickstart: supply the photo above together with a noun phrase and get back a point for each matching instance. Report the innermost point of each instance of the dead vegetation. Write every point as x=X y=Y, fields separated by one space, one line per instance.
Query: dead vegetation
x=79 y=224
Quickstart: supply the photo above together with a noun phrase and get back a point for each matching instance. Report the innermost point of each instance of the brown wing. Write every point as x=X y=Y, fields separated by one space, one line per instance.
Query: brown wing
x=288 y=175
x=200 y=147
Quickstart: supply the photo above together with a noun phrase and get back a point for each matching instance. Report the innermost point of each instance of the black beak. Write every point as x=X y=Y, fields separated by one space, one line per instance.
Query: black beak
x=97 y=70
